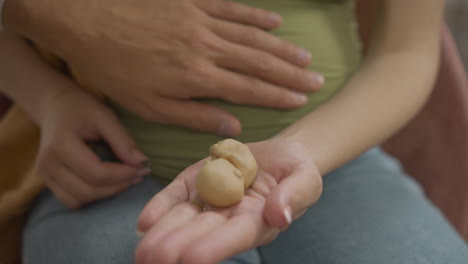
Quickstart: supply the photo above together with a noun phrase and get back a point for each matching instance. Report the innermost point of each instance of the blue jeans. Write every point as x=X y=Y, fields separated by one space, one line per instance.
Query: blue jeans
x=370 y=212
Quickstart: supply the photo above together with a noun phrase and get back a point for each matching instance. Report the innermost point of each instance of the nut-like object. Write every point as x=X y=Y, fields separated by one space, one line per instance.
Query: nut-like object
x=223 y=180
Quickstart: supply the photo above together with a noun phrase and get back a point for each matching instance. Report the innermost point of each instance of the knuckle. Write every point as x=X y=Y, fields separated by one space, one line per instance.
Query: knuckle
x=225 y=7
x=253 y=35
x=203 y=40
x=247 y=92
x=98 y=177
x=196 y=72
x=255 y=88
x=262 y=64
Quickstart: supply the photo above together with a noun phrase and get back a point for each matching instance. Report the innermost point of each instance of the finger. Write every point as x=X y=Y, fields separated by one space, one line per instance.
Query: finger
x=269 y=68
x=65 y=197
x=240 y=13
x=294 y=194
x=172 y=245
x=178 y=216
x=261 y=40
x=241 y=89
x=237 y=235
x=84 y=163
x=81 y=192
x=122 y=144
x=195 y=115
x=174 y=194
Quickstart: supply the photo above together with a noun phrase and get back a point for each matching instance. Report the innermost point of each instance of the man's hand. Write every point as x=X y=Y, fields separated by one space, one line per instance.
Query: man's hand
x=154 y=56
x=176 y=231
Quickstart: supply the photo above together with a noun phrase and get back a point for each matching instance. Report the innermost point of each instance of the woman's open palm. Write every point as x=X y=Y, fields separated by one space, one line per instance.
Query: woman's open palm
x=176 y=231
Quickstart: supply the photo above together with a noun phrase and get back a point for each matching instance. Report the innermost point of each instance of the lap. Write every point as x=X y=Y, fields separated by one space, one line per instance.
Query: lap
x=369 y=213
x=103 y=232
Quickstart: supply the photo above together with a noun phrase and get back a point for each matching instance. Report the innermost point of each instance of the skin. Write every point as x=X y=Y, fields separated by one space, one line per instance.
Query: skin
x=68 y=118
x=58 y=112
x=149 y=60
x=399 y=67
x=184 y=235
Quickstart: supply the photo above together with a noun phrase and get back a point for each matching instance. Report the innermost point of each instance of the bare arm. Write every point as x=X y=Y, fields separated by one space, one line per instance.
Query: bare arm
x=69 y=119
x=152 y=62
x=26 y=79
x=392 y=84
x=390 y=87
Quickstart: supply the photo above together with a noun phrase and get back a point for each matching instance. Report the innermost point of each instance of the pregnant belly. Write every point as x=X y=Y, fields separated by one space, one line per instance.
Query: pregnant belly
x=326 y=28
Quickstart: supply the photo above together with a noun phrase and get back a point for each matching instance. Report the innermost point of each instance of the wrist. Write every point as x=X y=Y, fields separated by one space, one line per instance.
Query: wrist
x=317 y=149
x=50 y=97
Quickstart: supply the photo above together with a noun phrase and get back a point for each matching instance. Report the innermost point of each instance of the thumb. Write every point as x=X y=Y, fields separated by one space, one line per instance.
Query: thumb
x=292 y=196
x=121 y=143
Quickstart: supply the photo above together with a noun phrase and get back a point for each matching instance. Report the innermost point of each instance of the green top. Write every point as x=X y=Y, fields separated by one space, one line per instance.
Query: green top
x=325 y=27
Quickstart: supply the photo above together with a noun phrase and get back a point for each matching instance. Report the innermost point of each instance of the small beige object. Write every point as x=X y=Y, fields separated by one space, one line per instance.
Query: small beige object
x=222 y=181
x=199 y=205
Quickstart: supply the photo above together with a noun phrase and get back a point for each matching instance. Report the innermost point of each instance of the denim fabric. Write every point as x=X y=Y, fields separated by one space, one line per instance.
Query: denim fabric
x=370 y=212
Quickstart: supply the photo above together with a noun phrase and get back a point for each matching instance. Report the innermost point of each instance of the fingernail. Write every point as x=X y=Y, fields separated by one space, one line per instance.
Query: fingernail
x=287 y=215
x=273 y=19
x=316 y=80
x=138 y=156
x=300 y=98
x=143 y=172
x=304 y=56
x=227 y=129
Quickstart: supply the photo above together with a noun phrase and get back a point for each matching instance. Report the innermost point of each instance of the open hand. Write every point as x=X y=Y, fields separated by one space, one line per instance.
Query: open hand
x=154 y=56
x=175 y=231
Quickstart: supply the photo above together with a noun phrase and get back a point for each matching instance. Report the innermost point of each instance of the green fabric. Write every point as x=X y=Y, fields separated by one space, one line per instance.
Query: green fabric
x=326 y=28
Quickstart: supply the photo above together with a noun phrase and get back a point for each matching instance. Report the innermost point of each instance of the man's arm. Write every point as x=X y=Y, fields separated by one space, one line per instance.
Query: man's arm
x=145 y=57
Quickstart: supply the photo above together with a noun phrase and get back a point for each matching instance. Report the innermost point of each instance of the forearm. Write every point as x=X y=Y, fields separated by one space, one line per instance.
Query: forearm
x=387 y=91
x=378 y=100
x=15 y=15
x=41 y=21
x=25 y=78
